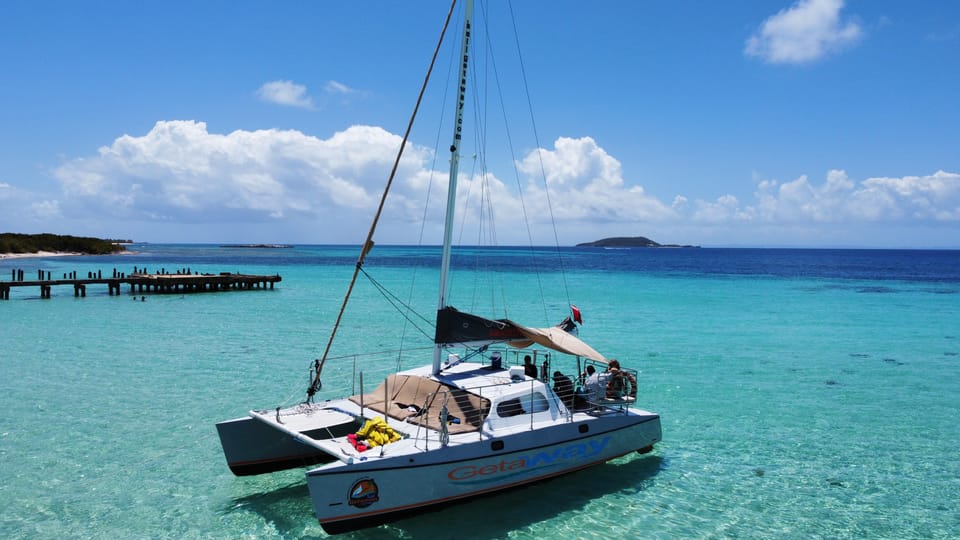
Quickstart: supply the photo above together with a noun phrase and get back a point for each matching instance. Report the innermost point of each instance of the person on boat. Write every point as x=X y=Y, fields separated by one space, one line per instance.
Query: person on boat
x=580 y=397
x=529 y=369
x=563 y=386
x=595 y=385
x=620 y=384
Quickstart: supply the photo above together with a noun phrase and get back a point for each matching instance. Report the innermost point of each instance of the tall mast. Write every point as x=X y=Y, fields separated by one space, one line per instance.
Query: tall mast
x=368 y=244
x=454 y=167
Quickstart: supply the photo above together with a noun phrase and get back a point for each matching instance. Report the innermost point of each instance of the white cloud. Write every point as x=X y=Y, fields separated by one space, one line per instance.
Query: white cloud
x=725 y=209
x=586 y=183
x=334 y=87
x=179 y=173
x=805 y=32
x=840 y=200
x=285 y=93
x=935 y=197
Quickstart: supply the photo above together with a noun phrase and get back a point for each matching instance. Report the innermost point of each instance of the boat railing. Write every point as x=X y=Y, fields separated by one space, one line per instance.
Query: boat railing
x=442 y=404
x=345 y=370
x=609 y=400
x=609 y=397
x=377 y=366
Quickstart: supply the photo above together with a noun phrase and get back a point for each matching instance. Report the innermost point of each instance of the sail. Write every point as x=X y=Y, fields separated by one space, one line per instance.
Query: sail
x=458 y=327
x=454 y=326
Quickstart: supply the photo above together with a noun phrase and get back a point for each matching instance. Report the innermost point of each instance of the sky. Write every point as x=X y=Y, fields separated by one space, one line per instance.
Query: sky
x=775 y=123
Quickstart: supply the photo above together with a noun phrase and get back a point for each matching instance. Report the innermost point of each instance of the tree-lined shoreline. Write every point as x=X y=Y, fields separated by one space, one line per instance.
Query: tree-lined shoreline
x=27 y=244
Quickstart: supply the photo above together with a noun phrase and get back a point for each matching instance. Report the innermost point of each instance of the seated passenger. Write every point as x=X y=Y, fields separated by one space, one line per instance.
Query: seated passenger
x=620 y=383
x=595 y=385
x=563 y=386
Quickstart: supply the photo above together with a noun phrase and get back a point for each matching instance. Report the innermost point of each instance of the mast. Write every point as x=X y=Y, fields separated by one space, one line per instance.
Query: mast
x=454 y=167
x=368 y=244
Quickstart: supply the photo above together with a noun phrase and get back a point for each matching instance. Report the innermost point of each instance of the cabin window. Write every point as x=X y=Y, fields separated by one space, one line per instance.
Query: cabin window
x=534 y=402
x=510 y=407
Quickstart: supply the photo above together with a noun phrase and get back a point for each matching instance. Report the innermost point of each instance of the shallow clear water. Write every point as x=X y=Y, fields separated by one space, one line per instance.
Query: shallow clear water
x=804 y=394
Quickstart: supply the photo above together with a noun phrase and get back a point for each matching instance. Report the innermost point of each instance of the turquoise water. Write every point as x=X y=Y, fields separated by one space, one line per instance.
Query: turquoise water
x=803 y=395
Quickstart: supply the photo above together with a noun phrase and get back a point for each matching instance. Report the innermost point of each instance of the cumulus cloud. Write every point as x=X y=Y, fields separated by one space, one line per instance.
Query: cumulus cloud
x=805 y=32
x=935 y=197
x=285 y=93
x=839 y=200
x=586 y=183
x=179 y=172
x=725 y=209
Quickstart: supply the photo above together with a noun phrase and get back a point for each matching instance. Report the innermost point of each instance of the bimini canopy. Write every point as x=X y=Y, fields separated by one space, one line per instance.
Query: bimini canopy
x=457 y=327
x=558 y=339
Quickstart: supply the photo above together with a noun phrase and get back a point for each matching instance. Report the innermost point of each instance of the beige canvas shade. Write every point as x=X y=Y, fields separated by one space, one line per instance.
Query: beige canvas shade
x=406 y=392
x=557 y=339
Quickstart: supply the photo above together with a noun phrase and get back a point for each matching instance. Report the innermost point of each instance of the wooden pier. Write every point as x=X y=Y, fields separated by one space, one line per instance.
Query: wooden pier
x=141 y=282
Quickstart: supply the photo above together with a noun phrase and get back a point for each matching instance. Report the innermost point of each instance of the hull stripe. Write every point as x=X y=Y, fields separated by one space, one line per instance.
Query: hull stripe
x=363 y=515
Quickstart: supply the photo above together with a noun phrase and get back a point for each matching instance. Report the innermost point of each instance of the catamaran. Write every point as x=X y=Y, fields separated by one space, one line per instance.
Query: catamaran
x=469 y=422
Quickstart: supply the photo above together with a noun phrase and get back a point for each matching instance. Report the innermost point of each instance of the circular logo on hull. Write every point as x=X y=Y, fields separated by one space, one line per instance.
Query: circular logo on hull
x=363 y=493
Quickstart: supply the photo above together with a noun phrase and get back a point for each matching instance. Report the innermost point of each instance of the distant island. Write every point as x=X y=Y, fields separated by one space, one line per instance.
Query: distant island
x=631 y=242
x=22 y=244
x=258 y=246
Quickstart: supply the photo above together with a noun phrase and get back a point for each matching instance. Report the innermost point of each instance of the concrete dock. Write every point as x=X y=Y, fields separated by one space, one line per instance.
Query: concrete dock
x=141 y=282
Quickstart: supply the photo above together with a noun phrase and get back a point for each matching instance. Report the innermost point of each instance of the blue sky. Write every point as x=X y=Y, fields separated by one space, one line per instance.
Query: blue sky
x=774 y=123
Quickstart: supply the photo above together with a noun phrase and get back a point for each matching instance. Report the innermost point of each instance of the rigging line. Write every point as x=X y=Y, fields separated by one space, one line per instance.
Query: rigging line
x=368 y=243
x=397 y=304
x=426 y=202
x=486 y=230
x=536 y=137
x=479 y=151
x=483 y=128
x=478 y=141
x=523 y=205
x=478 y=181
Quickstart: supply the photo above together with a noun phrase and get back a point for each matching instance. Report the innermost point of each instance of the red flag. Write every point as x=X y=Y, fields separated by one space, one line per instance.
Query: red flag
x=576 y=313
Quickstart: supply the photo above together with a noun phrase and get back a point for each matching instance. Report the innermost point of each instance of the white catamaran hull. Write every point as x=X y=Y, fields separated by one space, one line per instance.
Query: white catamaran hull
x=252 y=447
x=348 y=497
x=448 y=431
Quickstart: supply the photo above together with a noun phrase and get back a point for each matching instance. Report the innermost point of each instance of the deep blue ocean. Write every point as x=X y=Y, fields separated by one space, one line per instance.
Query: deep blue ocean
x=804 y=393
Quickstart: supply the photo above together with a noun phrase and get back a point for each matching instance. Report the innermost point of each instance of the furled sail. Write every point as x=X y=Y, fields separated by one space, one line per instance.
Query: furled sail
x=458 y=327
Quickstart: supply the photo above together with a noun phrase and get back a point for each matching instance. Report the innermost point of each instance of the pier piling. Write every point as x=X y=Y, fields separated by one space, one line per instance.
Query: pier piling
x=141 y=282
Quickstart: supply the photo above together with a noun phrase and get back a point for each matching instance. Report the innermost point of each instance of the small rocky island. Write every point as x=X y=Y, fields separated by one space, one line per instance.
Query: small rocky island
x=631 y=242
